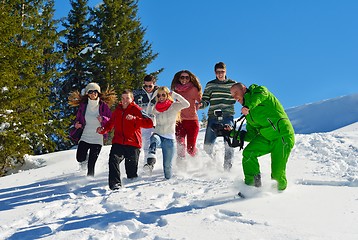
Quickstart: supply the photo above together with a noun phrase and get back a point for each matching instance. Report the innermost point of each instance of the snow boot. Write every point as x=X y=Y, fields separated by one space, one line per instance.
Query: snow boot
x=257 y=179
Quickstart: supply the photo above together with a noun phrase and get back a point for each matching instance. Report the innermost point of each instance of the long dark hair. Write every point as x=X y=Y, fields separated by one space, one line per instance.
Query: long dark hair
x=194 y=79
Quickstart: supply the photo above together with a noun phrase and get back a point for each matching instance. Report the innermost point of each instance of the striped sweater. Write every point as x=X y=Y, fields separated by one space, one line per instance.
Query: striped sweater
x=217 y=95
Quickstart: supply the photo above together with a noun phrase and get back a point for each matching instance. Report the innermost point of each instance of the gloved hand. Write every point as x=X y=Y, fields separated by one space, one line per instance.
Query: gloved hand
x=242 y=139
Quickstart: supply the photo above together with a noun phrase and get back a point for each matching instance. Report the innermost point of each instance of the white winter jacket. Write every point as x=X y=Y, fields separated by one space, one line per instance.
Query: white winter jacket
x=166 y=121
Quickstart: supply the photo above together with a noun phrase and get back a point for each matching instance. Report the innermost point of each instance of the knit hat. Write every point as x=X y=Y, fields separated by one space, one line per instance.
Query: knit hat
x=92 y=86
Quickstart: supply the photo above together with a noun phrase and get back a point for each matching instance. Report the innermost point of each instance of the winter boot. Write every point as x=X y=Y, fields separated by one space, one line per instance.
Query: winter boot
x=83 y=166
x=151 y=159
x=257 y=179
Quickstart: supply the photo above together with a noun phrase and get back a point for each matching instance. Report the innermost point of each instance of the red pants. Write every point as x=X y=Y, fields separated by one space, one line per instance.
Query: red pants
x=190 y=130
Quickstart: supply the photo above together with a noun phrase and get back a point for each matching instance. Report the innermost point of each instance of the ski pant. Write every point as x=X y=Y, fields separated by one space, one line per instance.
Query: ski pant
x=146 y=134
x=167 y=145
x=117 y=154
x=188 y=129
x=210 y=138
x=81 y=155
x=280 y=150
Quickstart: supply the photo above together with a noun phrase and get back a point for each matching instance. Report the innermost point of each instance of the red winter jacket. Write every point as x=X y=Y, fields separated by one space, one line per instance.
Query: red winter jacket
x=127 y=132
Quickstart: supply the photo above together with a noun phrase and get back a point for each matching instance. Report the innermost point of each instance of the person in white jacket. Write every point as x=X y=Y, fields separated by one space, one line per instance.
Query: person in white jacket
x=166 y=112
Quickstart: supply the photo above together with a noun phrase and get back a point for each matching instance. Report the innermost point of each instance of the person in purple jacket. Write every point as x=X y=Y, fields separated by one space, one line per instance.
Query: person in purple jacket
x=93 y=112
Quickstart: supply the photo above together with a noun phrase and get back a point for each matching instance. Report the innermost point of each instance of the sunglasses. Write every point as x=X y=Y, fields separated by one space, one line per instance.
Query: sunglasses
x=217 y=72
x=185 y=77
x=92 y=91
x=161 y=95
x=148 y=86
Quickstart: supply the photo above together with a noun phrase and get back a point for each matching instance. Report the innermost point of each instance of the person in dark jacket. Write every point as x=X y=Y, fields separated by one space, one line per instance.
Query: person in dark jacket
x=93 y=112
x=127 y=121
x=145 y=97
x=269 y=130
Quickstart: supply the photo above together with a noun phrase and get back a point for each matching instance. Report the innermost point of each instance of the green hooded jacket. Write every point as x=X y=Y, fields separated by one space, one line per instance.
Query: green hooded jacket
x=266 y=116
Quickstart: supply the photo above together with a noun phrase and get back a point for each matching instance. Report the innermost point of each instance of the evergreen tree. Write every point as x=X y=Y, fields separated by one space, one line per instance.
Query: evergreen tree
x=76 y=60
x=120 y=53
x=27 y=67
x=76 y=48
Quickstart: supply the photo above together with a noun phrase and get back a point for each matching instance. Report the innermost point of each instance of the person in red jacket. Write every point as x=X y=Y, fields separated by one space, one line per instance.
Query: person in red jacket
x=127 y=121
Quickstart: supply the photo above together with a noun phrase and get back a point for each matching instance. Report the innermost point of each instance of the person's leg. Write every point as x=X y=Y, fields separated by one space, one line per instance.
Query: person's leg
x=192 y=128
x=168 y=155
x=250 y=164
x=131 y=161
x=82 y=150
x=279 y=157
x=229 y=151
x=115 y=158
x=95 y=149
x=146 y=134
x=180 y=134
x=154 y=143
x=210 y=137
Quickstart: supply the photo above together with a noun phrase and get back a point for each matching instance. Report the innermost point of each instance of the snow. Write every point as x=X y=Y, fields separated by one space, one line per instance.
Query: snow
x=326 y=115
x=52 y=199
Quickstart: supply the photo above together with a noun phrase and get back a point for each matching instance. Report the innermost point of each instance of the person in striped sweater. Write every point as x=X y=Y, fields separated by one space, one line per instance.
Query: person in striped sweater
x=221 y=111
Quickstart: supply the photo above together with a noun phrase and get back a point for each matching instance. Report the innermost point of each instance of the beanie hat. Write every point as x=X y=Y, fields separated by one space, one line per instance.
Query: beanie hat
x=92 y=86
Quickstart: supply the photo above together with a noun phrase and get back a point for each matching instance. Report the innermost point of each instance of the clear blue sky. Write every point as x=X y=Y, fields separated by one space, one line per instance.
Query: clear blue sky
x=302 y=50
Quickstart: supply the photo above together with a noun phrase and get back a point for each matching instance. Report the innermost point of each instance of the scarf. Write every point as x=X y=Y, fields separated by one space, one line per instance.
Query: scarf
x=183 y=88
x=93 y=105
x=163 y=106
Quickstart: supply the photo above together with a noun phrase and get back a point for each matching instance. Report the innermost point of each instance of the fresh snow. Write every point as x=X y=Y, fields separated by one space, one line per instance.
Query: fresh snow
x=51 y=199
x=325 y=116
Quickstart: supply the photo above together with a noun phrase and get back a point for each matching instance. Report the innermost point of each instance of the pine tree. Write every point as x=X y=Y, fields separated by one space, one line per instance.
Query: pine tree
x=76 y=48
x=120 y=53
x=76 y=60
x=27 y=67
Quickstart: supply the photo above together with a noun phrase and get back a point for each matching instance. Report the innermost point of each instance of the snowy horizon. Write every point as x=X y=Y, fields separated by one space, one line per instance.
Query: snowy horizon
x=52 y=199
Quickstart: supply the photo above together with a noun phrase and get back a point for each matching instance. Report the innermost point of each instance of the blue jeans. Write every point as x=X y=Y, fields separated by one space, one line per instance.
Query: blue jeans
x=167 y=150
x=210 y=138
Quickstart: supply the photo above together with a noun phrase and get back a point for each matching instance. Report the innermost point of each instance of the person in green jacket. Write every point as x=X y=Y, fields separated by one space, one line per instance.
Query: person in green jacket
x=268 y=131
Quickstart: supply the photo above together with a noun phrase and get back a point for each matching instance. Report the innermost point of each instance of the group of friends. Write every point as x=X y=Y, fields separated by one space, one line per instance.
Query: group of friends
x=156 y=116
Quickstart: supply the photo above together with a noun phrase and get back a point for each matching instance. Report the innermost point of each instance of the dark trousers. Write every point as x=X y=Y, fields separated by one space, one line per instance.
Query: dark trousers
x=119 y=153
x=81 y=155
x=210 y=138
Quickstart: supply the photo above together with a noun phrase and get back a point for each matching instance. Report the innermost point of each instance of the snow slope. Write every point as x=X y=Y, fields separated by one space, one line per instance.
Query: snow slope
x=51 y=199
x=325 y=116
x=56 y=201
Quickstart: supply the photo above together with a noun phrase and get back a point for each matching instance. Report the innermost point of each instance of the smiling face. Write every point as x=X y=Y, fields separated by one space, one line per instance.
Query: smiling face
x=162 y=96
x=126 y=99
x=184 y=78
x=148 y=86
x=92 y=94
x=220 y=74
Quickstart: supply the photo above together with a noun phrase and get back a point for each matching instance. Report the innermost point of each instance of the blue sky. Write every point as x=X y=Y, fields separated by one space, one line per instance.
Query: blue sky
x=303 y=51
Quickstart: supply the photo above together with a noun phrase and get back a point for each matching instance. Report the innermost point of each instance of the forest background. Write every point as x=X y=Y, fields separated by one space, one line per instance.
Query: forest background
x=43 y=59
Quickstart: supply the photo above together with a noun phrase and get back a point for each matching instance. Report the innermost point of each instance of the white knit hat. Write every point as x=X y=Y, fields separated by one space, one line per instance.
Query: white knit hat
x=92 y=86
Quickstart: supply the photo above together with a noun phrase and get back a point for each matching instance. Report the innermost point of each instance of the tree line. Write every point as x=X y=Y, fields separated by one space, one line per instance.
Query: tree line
x=43 y=59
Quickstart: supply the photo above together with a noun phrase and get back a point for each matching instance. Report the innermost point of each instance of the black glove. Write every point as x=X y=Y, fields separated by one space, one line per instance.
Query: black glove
x=242 y=139
x=226 y=132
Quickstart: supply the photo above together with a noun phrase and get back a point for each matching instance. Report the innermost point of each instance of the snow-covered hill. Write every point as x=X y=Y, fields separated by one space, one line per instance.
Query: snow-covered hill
x=325 y=116
x=56 y=201
x=51 y=199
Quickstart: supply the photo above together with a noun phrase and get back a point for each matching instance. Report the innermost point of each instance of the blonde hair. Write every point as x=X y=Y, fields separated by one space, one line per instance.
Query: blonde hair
x=167 y=92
